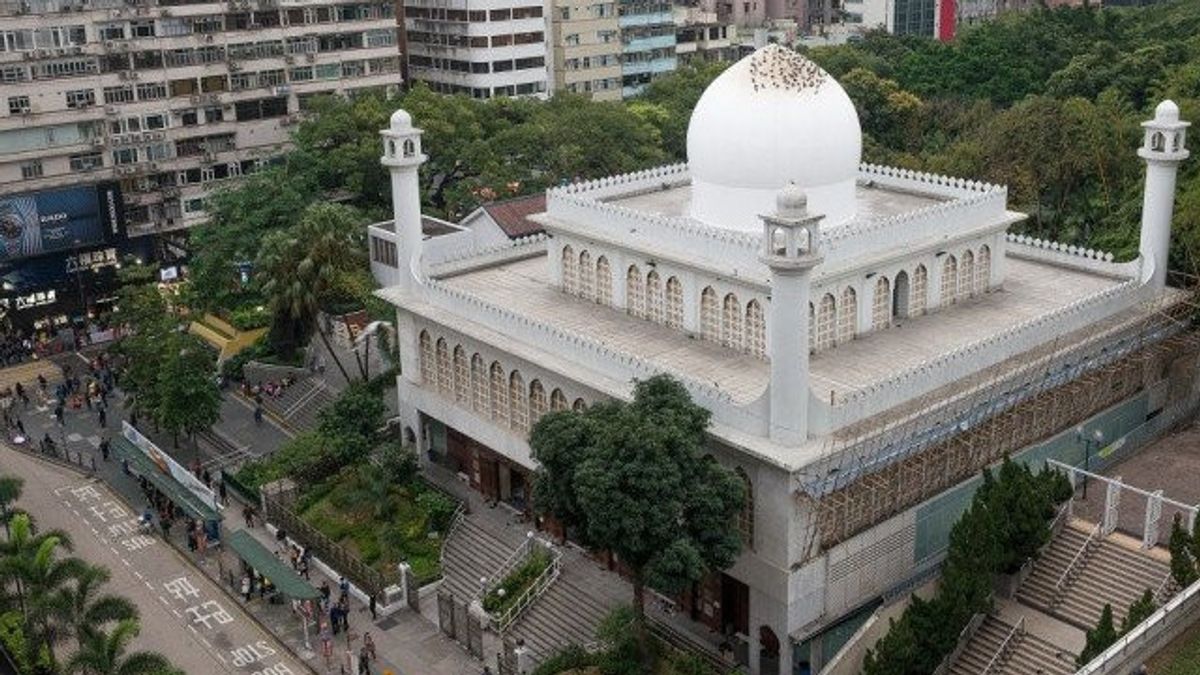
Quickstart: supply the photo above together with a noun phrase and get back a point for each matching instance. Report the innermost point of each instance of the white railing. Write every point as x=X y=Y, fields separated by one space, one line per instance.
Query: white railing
x=456 y=520
x=510 y=563
x=1161 y=592
x=1148 y=636
x=1018 y=629
x=502 y=621
x=1076 y=561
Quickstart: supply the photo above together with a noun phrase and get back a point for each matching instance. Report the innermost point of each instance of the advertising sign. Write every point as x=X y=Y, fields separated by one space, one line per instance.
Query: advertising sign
x=45 y=222
x=169 y=466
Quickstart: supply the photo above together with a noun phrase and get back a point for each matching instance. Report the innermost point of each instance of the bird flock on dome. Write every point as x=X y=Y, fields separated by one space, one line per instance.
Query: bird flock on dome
x=776 y=68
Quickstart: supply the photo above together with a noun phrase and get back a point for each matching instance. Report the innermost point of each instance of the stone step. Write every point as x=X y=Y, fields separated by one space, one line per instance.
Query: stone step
x=471 y=554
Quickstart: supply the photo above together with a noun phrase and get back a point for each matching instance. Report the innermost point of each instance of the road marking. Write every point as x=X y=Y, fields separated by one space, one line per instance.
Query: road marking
x=138 y=575
x=125 y=562
x=114 y=551
x=163 y=600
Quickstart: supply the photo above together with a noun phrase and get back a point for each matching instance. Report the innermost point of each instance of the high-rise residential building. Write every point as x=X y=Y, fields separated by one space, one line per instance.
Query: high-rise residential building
x=119 y=116
x=482 y=48
x=586 y=47
x=701 y=36
x=647 y=42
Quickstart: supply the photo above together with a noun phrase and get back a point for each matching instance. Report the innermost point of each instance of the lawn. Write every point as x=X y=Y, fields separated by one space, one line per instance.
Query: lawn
x=1180 y=657
x=381 y=522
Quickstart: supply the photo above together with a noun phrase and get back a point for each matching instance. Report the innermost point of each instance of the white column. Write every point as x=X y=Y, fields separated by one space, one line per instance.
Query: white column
x=406 y=214
x=1158 y=208
x=788 y=325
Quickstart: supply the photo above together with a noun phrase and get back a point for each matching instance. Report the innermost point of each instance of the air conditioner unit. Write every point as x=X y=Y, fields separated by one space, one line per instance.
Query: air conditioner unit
x=110 y=110
x=235 y=66
x=310 y=57
x=97 y=142
x=109 y=44
x=289 y=59
x=166 y=12
x=61 y=51
x=208 y=38
x=133 y=75
x=195 y=99
x=154 y=166
x=124 y=75
x=39 y=53
x=76 y=50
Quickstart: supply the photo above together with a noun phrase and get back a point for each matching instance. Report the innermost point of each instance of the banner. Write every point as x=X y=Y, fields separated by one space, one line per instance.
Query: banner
x=169 y=466
x=46 y=222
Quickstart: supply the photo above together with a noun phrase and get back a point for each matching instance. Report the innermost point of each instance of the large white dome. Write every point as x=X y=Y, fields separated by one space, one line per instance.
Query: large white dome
x=772 y=118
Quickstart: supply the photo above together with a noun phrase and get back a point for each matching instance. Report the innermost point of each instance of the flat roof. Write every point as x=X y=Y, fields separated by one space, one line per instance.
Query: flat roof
x=872 y=201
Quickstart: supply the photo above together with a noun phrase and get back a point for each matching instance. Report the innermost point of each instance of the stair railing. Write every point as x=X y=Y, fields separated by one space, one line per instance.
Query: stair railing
x=1076 y=563
x=964 y=638
x=1005 y=645
x=510 y=563
x=506 y=618
x=456 y=519
x=1160 y=593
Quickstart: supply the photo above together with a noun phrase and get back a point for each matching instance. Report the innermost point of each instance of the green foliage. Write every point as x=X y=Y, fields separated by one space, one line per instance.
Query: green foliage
x=633 y=478
x=249 y=317
x=1139 y=611
x=573 y=657
x=1099 y=638
x=302 y=457
x=501 y=597
x=398 y=462
x=186 y=393
x=1183 y=563
x=351 y=423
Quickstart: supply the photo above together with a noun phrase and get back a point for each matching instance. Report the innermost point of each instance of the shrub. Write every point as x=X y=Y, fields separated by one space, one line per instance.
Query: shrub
x=438 y=507
x=510 y=588
x=250 y=318
x=1139 y=611
x=1099 y=638
x=572 y=658
x=399 y=463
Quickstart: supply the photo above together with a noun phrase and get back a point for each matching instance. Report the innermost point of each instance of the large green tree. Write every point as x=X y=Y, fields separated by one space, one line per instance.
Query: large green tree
x=104 y=652
x=188 y=399
x=635 y=479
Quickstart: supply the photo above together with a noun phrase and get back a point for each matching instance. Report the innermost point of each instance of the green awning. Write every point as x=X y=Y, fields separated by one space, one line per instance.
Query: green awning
x=257 y=556
x=179 y=495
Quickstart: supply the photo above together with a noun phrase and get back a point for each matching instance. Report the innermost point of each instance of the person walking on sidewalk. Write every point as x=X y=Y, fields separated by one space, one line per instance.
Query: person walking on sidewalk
x=103 y=415
x=372 y=605
x=223 y=492
x=369 y=645
x=104 y=449
x=364 y=661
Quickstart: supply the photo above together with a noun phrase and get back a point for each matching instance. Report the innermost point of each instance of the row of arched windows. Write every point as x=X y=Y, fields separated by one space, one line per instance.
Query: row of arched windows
x=724 y=321
x=586 y=279
x=488 y=389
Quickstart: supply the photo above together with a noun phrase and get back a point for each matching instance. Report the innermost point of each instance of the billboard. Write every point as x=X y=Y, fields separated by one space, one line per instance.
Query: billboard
x=37 y=223
x=170 y=467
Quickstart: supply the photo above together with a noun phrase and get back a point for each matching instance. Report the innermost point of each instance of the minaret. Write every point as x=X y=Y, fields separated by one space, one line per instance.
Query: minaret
x=1163 y=149
x=402 y=156
x=791 y=249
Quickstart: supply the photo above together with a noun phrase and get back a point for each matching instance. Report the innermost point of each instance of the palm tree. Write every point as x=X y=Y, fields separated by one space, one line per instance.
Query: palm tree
x=103 y=653
x=21 y=552
x=10 y=492
x=42 y=580
x=87 y=608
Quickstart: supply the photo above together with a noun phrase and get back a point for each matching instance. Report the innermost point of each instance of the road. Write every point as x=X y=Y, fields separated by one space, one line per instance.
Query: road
x=184 y=615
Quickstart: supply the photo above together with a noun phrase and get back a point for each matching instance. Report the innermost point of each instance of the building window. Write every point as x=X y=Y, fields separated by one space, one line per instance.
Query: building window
x=31 y=169
x=949 y=280
x=570 y=278
x=558 y=401
x=746 y=515
x=113 y=95
x=635 y=293
x=756 y=330
x=881 y=309
x=826 y=322
x=87 y=161
x=499 y=394
x=579 y=405
x=674 y=303
x=654 y=298
x=18 y=105
x=847 y=315
x=537 y=401
x=983 y=270
x=710 y=319
x=123 y=156
x=462 y=376
x=920 y=285
x=731 y=322
x=426 y=358
x=81 y=98
x=587 y=277
x=517 y=405
x=142 y=29
x=151 y=91
x=479 y=384
x=603 y=282
x=445 y=381
x=966 y=274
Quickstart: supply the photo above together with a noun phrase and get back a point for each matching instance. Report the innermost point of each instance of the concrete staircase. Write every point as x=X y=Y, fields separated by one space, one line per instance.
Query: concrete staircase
x=1108 y=572
x=571 y=608
x=468 y=555
x=300 y=405
x=1025 y=654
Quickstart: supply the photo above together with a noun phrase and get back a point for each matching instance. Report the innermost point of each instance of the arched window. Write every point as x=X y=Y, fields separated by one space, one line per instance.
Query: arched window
x=756 y=330
x=847 y=315
x=579 y=405
x=558 y=400
x=410 y=148
x=428 y=376
x=1158 y=142
x=1176 y=141
x=983 y=270
x=570 y=276
x=731 y=322
x=881 y=307
x=745 y=519
x=826 y=322
x=499 y=394
x=949 y=280
x=462 y=376
x=966 y=275
x=518 y=406
x=391 y=148
x=587 y=277
x=654 y=297
x=479 y=386
x=674 y=303
x=445 y=376
x=920 y=286
x=537 y=401
x=603 y=281
x=635 y=293
x=710 y=315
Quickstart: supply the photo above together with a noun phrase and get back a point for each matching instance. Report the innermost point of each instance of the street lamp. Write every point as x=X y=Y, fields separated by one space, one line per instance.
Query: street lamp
x=1090 y=443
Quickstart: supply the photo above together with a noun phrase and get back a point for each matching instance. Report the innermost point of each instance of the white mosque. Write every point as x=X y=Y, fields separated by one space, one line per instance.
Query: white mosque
x=845 y=323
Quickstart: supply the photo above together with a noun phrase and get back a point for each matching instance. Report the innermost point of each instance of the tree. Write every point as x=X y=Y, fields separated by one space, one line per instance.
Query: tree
x=103 y=653
x=188 y=399
x=1139 y=611
x=1099 y=638
x=633 y=478
x=31 y=567
x=351 y=423
x=10 y=492
x=1183 y=565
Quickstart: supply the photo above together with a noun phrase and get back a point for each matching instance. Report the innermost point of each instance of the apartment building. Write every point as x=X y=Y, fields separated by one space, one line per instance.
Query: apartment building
x=118 y=117
x=647 y=42
x=482 y=48
x=587 y=48
x=701 y=36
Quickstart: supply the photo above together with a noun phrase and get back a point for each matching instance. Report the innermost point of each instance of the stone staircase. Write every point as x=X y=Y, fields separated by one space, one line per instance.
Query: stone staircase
x=300 y=404
x=1108 y=572
x=1024 y=654
x=468 y=555
x=571 y=608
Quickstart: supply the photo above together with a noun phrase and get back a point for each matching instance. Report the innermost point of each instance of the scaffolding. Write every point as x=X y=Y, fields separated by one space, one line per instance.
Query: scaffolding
x=883 y=466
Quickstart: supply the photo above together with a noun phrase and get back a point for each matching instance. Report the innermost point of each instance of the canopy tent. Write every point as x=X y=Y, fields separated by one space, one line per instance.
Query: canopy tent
x=179 y=495
x=257 y=556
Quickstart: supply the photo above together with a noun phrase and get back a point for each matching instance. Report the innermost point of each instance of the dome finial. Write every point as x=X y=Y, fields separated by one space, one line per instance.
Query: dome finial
x=1166 y=111
x=791 y=202
x=401 y=120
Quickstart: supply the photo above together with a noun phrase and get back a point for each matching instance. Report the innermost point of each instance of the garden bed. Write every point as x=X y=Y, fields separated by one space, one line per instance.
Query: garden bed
x=510 y=589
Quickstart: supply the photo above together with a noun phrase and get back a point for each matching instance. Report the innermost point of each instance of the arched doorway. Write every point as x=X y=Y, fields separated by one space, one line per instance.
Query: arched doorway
x=900 y=296
x=768 y=650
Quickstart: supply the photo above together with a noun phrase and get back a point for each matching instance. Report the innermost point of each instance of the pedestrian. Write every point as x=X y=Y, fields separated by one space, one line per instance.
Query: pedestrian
x=246 y=587
x=372 y=605
x=103 y=417
x=258 y=414
x=191 y=540
x=369 y=645
x=364 y=661
x=104 y=449
x=344 y=586
x=21 y=426
x=87 y=400
x=22 y=395
x=207 y=478
x=325 y=590
x=58 y=413
x=222 y=492
x=304 y=568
